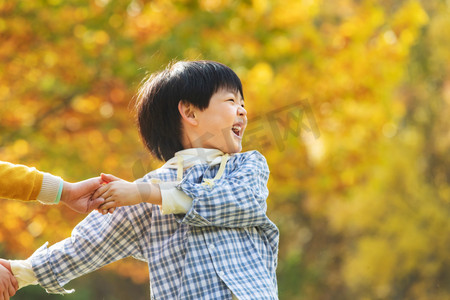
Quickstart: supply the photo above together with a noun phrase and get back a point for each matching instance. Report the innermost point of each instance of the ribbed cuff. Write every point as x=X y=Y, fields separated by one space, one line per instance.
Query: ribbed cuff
x=50 y=189
x=23 y=271
x=174 y=201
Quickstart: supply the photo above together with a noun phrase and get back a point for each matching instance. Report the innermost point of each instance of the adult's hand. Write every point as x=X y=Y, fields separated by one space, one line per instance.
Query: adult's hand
x=78 y=196
x=8 y=283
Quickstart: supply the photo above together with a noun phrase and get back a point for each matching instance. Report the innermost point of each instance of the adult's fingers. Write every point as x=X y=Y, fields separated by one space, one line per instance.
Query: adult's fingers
x=93 y=183
x=15 y=284
x=95 y=203
x=107 y=205
x=99 y=193
x=109 y=177
x=11 y=290
x=4 y=295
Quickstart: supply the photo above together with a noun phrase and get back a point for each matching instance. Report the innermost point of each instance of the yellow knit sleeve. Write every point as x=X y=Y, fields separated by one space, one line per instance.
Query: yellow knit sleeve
x=19 y=182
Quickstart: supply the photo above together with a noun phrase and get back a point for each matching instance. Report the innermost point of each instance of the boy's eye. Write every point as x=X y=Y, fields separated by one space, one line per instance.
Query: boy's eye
x=234 y=101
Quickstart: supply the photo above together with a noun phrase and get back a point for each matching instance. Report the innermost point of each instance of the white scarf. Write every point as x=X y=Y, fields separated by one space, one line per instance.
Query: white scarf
x=187 y=158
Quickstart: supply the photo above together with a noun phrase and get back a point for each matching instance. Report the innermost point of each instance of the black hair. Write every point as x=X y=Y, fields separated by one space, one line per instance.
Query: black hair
x=158 y=118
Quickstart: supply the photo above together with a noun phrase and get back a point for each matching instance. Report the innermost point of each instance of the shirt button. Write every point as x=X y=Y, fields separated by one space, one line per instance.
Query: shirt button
x=211 y=247
x=221 y=273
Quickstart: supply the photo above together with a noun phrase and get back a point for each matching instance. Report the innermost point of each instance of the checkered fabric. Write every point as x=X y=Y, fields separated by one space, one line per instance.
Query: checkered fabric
x=224 y=244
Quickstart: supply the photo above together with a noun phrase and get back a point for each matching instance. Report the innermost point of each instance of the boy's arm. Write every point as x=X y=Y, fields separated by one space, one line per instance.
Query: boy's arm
x=98 y=240
x=119 y=192
x=236 y=200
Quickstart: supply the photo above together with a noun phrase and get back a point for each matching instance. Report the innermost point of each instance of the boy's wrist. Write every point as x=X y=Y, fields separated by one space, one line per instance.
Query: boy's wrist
x=149 y=193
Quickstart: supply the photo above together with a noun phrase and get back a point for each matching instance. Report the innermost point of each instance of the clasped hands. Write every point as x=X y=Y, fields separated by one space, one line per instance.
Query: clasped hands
x=103 y=193
x=8 y=283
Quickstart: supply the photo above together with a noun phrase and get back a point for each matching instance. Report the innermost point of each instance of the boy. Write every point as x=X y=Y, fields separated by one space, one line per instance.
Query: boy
x=211 y=238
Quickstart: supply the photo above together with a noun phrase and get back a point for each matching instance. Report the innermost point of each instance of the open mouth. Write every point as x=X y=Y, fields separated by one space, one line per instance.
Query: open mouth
x=237 y=130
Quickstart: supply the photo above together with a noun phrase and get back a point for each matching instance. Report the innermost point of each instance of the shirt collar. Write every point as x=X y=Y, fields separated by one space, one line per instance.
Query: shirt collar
x=194 y=156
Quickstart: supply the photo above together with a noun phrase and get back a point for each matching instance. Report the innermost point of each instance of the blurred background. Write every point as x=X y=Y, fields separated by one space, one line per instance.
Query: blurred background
x=348 y=100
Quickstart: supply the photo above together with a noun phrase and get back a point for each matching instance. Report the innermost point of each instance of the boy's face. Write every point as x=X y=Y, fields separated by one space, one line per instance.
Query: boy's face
x=222 y=124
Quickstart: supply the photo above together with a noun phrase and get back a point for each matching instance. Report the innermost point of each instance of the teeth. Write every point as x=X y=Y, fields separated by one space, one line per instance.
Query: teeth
x=236 y=130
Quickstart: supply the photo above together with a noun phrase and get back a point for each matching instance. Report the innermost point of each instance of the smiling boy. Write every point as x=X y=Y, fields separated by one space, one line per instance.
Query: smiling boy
x=202 y=224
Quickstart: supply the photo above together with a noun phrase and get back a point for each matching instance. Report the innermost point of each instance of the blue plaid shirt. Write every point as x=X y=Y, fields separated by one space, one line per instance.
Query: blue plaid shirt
x=224 y=244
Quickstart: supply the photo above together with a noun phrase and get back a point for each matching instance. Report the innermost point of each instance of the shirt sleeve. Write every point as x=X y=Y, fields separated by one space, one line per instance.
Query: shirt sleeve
x=174 y=201
x=23 y=271
x=238 y=199
x=96 y=241
x=19 y=182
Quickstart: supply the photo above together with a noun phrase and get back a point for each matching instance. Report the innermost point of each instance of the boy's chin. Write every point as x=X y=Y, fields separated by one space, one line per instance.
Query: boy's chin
x=230 y=147
x=233 y=149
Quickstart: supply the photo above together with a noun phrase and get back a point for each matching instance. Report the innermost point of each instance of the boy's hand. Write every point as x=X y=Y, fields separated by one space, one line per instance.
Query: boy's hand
x=118 y=192
x=8 y=283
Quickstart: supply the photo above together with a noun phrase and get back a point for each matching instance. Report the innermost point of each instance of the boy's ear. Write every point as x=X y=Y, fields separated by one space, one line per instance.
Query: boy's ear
x=187 y=112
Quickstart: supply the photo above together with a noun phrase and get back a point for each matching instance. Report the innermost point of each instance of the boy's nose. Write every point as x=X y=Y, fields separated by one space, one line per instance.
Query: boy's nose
x=241 y=111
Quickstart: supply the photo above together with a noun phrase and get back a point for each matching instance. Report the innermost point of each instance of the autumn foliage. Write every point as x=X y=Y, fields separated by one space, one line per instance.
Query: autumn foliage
x=348 y=100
